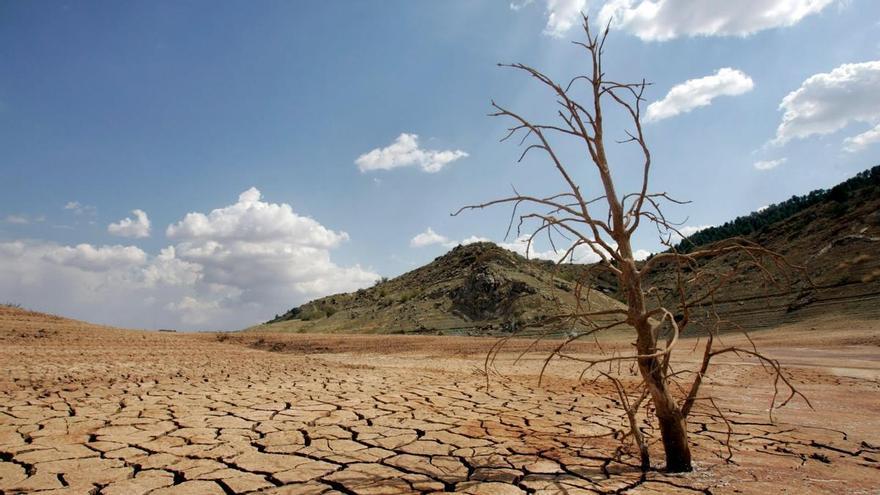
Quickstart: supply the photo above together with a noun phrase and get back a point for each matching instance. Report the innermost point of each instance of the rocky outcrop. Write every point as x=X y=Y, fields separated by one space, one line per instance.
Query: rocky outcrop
x=487 y=294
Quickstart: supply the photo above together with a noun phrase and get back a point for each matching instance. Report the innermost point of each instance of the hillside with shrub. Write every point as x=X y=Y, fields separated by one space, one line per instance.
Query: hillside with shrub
x=477 y=289
x=830 y=239
x=863 y=186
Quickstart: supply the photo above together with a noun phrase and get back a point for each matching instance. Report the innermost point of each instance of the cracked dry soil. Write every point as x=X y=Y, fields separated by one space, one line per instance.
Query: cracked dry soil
x=95 y=410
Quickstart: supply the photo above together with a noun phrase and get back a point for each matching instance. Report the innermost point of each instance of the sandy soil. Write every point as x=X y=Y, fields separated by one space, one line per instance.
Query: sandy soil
x=87 y=409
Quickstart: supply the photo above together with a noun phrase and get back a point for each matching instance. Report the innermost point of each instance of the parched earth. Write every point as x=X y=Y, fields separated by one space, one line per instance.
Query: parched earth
x=87 y=409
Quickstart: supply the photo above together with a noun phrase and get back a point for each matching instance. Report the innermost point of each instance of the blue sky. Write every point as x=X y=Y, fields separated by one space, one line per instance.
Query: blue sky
x=173 y=108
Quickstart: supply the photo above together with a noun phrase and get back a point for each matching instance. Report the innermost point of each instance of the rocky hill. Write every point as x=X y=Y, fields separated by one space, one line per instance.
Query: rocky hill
x=475 y=289
x=481 y=288
x=834 y=235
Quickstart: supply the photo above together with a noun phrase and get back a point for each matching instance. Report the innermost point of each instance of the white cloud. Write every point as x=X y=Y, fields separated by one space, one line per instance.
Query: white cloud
x=168 y=269
x=21 y=219
x=265 y=251
x=17 y=219
x=253 y=220
x=582 y=253
x=769 y=164
x=641 y=254
x=137 y=228
x=405 y=151
x=690 y=230
x=695 y=93
x=84 y=281
x=232 y=267
x=80 y=209
x=120 y=285
x=759 y=210
x=428 y=238
x=193 y=311
x=858 y=143
x=96 y=259
x=828 y=102
x=431 y=238
x=661 y=20
x=562 y=15
x=520 y=245
x=473 y=239
x=522 y=4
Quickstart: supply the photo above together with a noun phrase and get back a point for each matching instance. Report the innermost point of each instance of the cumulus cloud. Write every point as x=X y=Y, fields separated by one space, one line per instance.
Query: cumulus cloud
x=120 y=285
x=581 y=254
x=431 y=238
x=518 y=6
x=828 y=102
x=473 y=239
x=562 y=15
x=405 y=151
x=661 y=20
x=193 y=311
x=232 y=267
x=641 y=254
x=97 y=259
x=253 y=220
x=17 y=219
x=695 y=93
x=428 y=238
x=263 y=249
x=80 y=209
x=861 y=141
x=138 y=227
x=520 y=245
x=169 y=270
x=769 y=164
x=84 y=281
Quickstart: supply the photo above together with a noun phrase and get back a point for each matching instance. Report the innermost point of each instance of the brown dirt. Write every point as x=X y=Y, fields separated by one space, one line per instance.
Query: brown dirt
x=88 y=409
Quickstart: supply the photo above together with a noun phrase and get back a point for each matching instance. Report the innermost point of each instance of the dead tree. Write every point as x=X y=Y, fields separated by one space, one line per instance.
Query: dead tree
x=603 y=223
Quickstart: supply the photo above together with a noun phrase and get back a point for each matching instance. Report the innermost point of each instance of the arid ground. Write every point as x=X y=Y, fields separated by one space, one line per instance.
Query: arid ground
x=88 y=409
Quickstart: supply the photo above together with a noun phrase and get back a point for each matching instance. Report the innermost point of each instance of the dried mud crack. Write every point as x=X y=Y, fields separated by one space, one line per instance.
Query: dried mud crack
x=136 y=413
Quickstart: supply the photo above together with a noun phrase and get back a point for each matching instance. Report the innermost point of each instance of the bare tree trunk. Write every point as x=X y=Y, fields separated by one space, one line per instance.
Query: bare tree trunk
x=673 y=425
x=673 y=431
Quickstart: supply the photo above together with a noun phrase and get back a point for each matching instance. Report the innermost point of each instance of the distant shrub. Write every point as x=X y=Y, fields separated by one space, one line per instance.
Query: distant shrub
x=312 y=312
x=407 y=296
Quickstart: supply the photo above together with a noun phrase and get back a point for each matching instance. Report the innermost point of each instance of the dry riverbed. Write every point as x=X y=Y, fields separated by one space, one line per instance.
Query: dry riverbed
x=88 y=409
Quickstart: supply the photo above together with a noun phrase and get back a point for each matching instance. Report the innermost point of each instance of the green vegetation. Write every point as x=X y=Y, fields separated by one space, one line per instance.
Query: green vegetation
x=756 y=221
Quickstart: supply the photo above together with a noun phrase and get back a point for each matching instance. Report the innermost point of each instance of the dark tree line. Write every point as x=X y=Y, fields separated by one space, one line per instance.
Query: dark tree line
x=754 y=222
